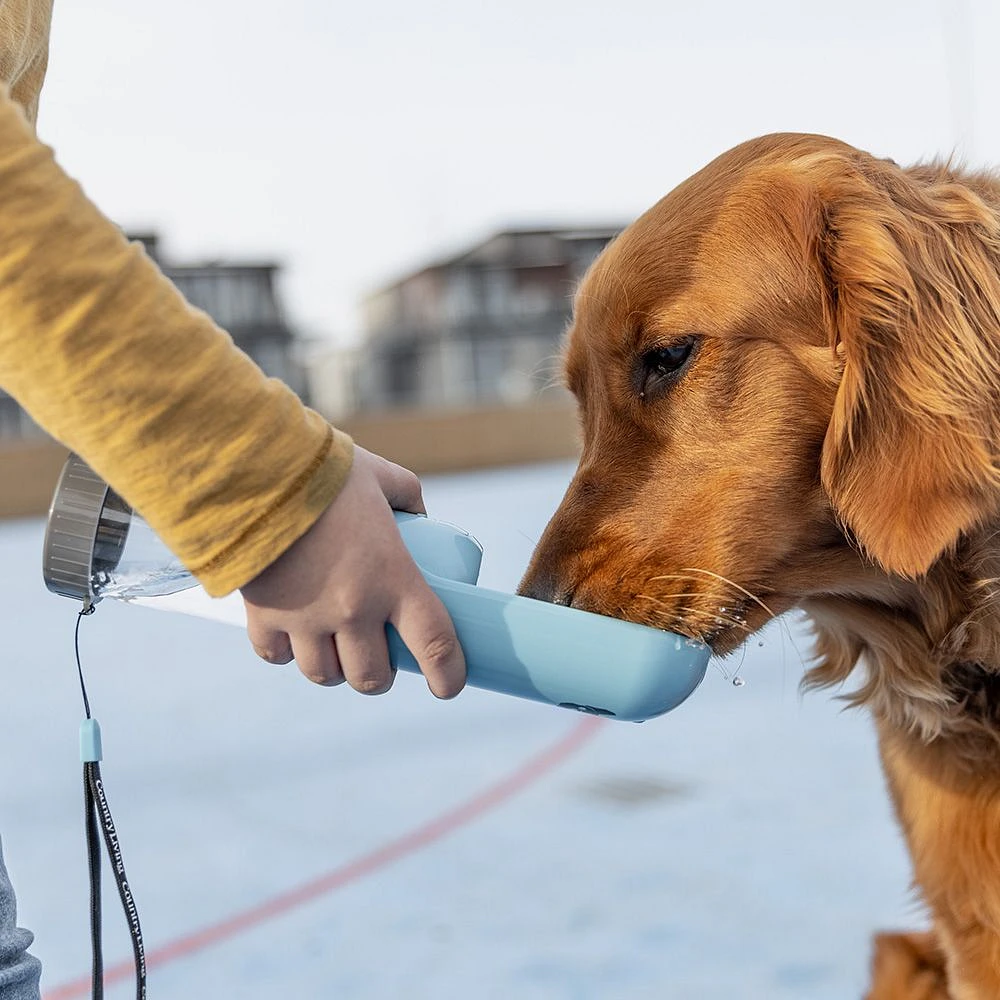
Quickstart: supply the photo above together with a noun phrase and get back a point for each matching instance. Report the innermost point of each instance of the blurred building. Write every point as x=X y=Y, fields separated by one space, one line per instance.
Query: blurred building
x=479 y=328
x=241 y=298
x=14 y=422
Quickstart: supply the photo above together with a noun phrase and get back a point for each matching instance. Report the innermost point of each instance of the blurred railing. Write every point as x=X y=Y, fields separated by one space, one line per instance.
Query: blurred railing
x=29 y=469
x=453 y=440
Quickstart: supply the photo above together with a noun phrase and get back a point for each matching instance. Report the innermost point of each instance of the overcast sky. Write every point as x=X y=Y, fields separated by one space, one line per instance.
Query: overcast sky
x=353 y=141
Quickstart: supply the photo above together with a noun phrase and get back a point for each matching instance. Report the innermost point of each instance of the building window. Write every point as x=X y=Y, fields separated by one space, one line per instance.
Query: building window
x=402 y=375
x=490 y=361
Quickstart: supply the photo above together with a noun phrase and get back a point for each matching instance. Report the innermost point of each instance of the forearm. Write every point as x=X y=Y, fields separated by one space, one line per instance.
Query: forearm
x=227 y=465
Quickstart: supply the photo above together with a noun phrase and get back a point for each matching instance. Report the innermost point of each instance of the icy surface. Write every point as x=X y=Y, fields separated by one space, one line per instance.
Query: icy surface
x=741 y=846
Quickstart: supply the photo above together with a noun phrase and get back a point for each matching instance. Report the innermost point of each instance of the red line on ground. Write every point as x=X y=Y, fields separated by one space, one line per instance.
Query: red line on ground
x=421 y=837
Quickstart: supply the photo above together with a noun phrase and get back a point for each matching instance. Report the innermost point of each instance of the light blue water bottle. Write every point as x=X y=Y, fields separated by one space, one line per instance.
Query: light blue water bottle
x=97 y=547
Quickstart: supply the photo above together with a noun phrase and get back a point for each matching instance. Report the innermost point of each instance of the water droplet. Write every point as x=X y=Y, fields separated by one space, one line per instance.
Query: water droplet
x=738 y=682
x=677 y=644
x=761 y=644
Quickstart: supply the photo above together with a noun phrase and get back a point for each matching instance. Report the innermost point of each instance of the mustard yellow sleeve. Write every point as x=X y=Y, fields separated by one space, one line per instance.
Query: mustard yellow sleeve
x=24 y=50
x=227 y=465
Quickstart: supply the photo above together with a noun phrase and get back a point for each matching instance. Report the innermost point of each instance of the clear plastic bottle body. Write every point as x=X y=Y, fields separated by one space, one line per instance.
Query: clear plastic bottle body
x=143 y=567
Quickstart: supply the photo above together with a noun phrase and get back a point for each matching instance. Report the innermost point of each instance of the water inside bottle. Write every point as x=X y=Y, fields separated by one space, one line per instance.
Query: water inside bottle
x=145 y=567
x=150 y=581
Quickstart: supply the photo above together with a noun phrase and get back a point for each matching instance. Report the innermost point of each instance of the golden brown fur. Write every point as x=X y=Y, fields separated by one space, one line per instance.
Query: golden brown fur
x=831 y=442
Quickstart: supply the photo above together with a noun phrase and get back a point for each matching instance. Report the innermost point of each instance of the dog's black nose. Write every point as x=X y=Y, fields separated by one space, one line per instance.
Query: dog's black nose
x=544 y=585
x=537 y=584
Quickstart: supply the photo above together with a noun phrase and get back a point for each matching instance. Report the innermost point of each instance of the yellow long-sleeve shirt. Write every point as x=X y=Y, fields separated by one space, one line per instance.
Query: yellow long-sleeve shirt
x=227 y=465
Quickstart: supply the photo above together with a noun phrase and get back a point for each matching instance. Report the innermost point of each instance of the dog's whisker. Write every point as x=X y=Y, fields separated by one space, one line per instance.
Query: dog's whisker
x=733 y=620
x=731 y=583
x=709 y=595
x=718 y=618
x=685 y=576
x=686 y=595
x=721 y=615
x=716 y=612
x=710 y=616
x=735 y=677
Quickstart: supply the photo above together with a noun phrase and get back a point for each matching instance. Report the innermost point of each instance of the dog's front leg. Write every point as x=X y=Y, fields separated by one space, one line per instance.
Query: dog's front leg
x=951 y=819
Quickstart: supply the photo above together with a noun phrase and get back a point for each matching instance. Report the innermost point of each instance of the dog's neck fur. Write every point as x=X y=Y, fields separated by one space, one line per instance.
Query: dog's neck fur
x=929 y=649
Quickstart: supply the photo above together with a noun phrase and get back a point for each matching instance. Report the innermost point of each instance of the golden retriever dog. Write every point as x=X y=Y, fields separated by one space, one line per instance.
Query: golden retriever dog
x=788 y=379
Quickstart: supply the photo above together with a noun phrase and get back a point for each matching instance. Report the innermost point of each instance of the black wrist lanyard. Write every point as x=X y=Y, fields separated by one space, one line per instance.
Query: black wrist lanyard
x=99 y=823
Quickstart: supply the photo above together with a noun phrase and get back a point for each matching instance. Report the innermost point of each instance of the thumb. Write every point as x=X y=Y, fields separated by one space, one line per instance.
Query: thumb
x=400 y=487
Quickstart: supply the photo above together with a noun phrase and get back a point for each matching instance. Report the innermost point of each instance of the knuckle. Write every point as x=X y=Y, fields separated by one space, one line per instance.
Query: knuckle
x=440 y=649
x=352 y=615
x=271 y=655
x=373 y=683
x=323 y=679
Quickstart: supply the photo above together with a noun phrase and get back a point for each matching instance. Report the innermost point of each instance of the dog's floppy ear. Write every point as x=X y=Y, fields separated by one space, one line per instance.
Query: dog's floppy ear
x=910 y=263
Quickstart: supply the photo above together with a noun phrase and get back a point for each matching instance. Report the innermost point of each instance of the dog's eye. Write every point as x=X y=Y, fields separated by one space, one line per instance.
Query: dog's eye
x=662 y=365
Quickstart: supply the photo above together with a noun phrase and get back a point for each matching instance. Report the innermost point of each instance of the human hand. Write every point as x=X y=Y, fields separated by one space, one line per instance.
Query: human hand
x=327 y=599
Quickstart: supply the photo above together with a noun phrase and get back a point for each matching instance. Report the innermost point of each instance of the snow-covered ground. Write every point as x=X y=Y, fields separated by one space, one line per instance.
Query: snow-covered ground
x=741 y=846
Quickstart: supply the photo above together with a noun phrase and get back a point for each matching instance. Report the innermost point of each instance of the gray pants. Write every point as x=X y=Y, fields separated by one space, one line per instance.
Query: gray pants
x=19 y=971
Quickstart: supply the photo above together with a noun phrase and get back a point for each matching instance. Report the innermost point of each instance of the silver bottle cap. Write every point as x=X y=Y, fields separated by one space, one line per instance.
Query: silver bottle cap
x=85 y=534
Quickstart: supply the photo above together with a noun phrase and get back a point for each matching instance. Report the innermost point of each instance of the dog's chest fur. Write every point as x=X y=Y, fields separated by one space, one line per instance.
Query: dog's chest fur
x=930 y=663
x=975 y=689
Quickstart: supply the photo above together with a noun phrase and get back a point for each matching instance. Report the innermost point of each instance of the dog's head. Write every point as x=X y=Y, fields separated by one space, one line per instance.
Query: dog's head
x=788 y=378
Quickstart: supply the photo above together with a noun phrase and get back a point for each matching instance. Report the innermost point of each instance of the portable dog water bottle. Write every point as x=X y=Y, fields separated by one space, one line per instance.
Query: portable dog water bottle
x=96 y=547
